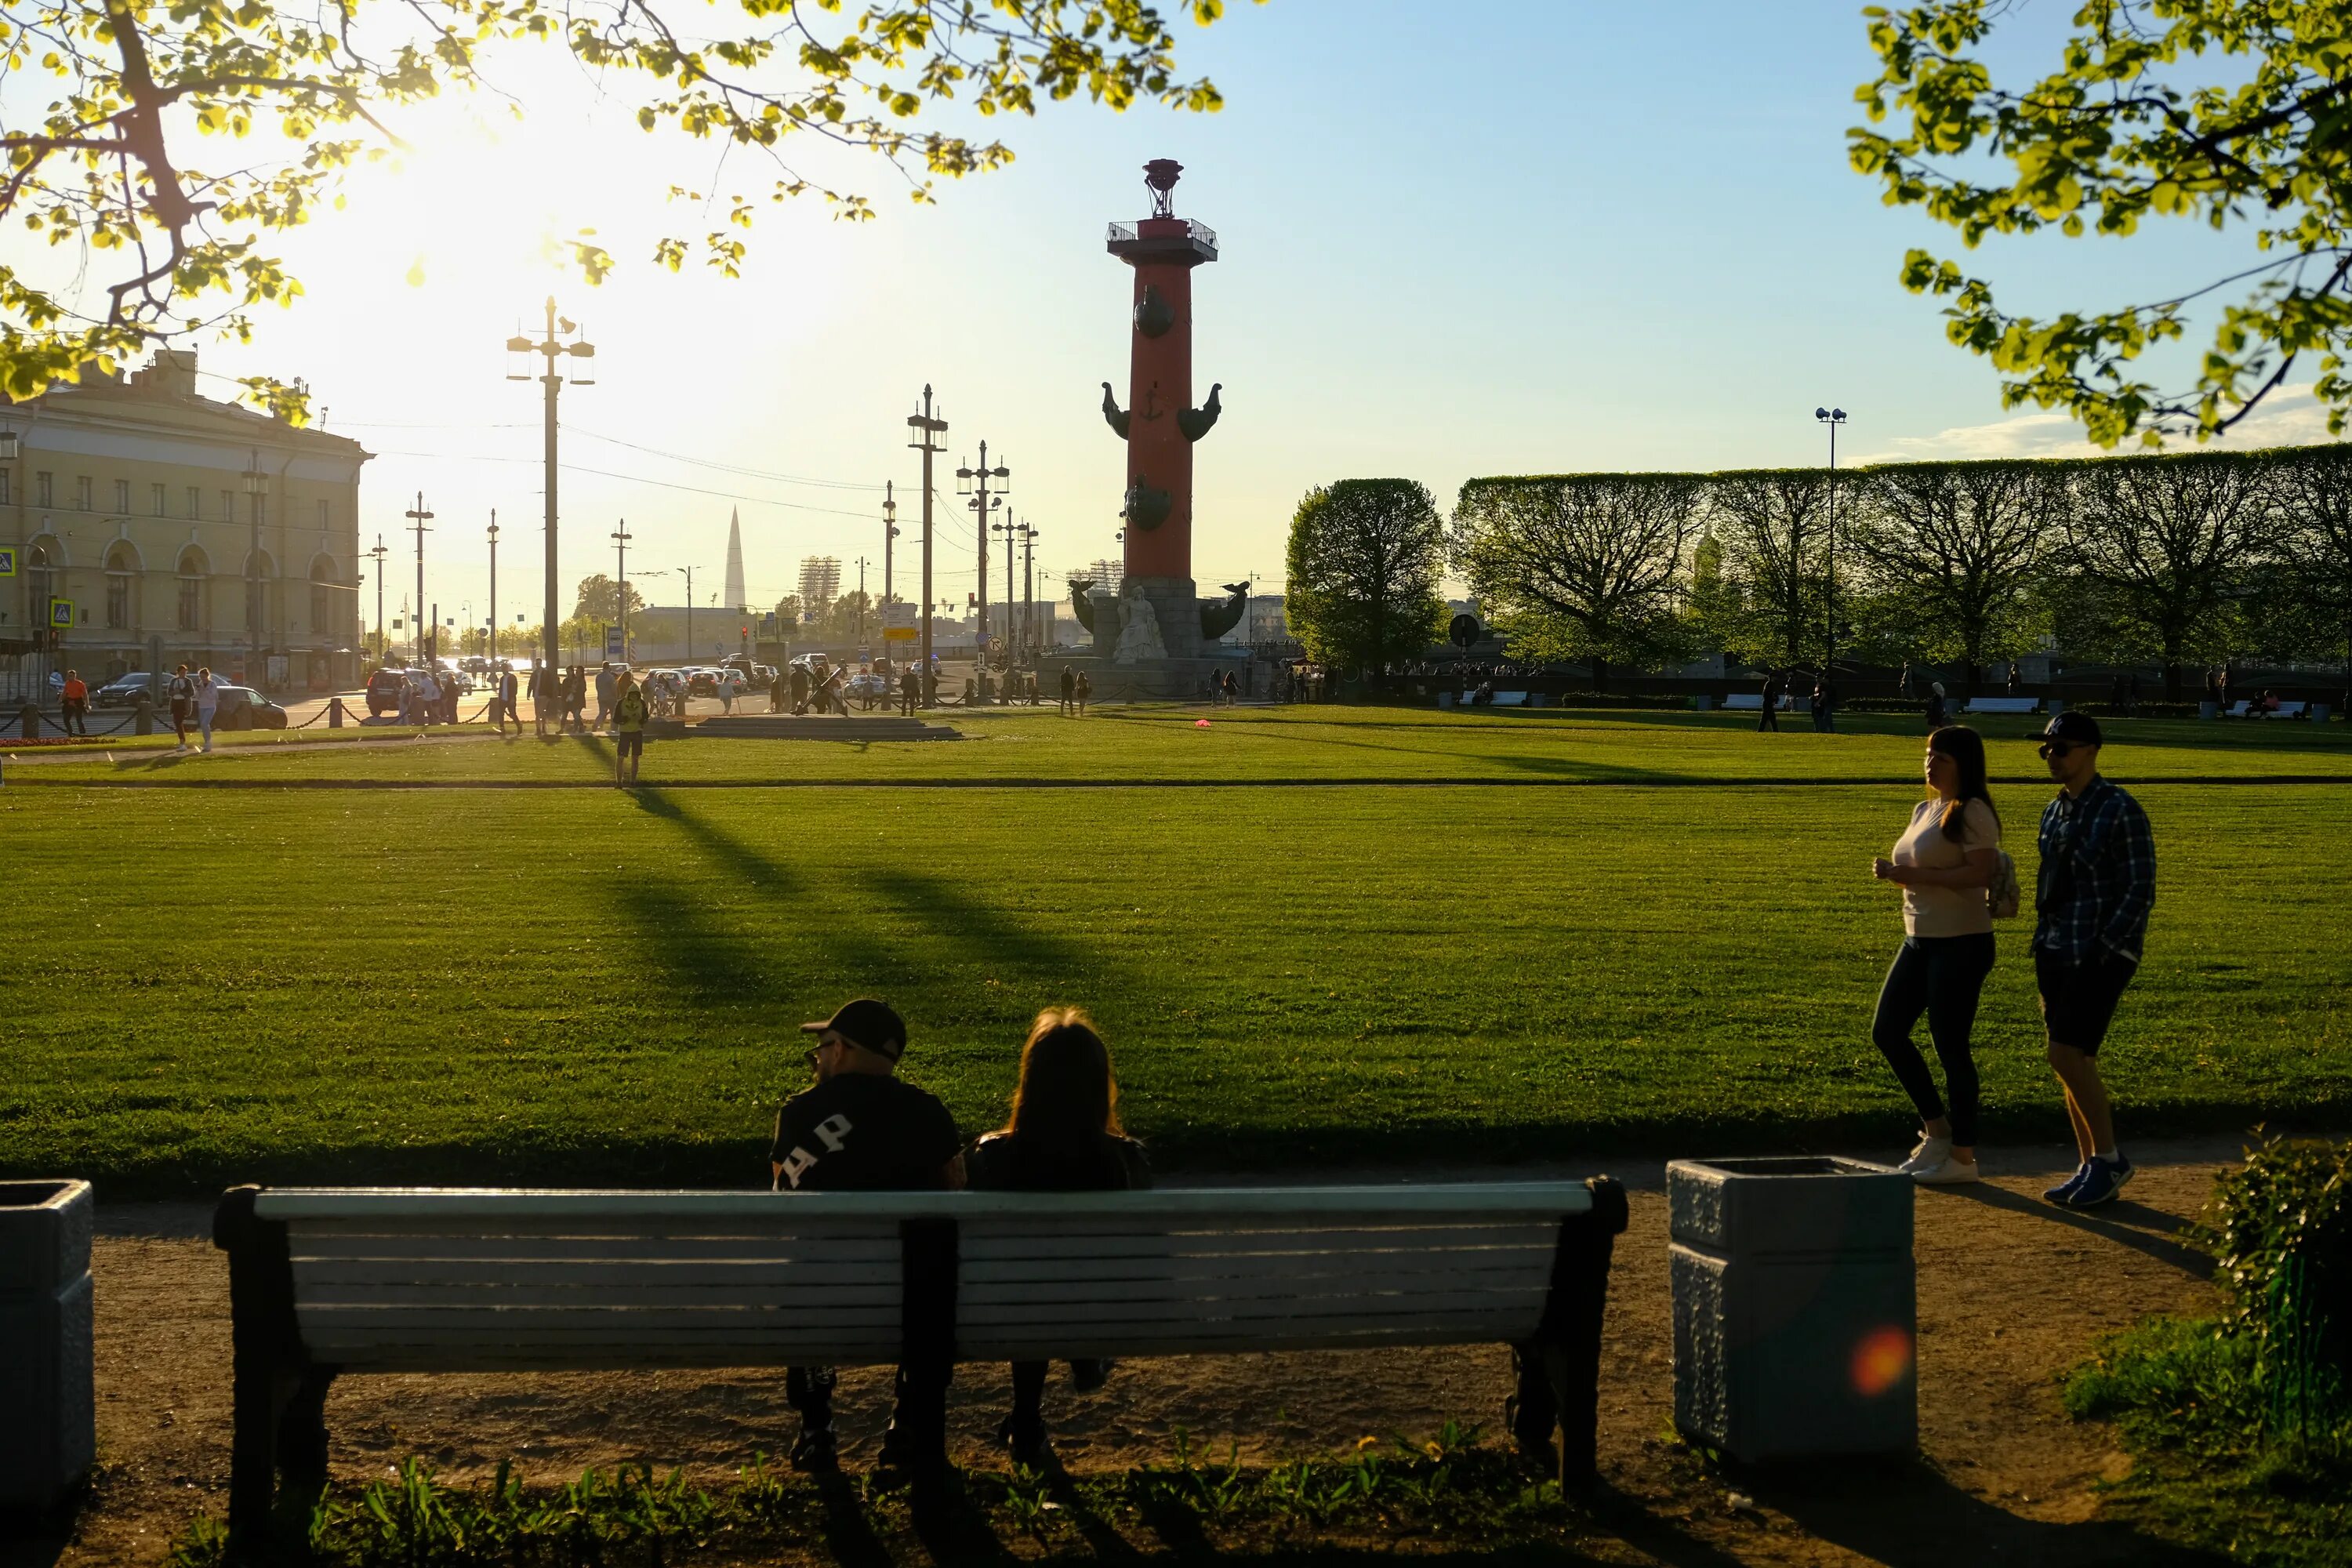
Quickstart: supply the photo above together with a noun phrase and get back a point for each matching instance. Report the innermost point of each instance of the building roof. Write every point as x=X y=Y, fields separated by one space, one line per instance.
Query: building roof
x=162 y=398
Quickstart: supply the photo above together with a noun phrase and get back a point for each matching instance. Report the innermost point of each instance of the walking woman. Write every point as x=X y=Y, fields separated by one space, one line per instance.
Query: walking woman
x=1944 y=862
x=1064 y=1137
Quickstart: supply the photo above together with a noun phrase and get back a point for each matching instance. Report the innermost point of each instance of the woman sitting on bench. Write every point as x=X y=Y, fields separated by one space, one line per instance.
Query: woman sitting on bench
x=1064 y=1137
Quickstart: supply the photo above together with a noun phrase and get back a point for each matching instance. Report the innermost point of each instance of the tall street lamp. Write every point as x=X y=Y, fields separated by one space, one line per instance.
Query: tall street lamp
x=923 y=430
x=552 y=348
x=1833 y=419
x=973 y=482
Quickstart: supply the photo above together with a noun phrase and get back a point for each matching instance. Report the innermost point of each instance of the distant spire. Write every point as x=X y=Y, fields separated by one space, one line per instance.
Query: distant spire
x=737 y=598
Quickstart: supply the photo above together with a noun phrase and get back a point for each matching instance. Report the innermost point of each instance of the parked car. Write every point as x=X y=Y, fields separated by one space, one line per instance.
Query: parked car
x=865 y=683
x=122 y=691
x=702 y=683
x=384 y=688
x=243 y=708
x=760 y=674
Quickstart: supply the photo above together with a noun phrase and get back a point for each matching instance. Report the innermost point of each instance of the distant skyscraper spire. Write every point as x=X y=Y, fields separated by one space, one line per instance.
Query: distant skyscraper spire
x=737 y=598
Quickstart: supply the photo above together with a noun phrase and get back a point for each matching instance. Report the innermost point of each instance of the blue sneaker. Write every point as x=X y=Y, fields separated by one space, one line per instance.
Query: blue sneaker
x=2099 y=1185
x=2124 y=1168
x=2059 y=1194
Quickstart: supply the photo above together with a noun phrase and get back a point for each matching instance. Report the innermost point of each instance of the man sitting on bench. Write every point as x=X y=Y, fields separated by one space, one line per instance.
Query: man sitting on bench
x=860 y=1127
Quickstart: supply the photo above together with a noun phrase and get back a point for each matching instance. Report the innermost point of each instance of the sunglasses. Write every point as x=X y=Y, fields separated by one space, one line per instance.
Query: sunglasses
x=2050 y=749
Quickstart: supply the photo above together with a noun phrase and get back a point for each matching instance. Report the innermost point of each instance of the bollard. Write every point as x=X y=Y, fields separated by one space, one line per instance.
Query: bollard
x=334 y=712
x=145 y=722
x=47 y=1399
x=29 y=721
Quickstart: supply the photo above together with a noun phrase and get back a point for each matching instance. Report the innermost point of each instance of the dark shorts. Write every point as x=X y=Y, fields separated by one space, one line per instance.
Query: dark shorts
x=2078 y=1000
x=629 y=743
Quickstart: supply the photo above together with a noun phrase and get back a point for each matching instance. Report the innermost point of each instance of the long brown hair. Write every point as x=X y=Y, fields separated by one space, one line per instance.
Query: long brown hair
x=1966 y=748
x=1069 y=1092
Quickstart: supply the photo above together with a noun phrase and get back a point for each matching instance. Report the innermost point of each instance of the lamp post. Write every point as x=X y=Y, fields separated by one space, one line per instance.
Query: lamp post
x=621 y=537
x=378 y=554
x=973 y=482
x=924 y=429
x=418 y=517
x=1833 y=419
x=1009 y=528
x=491 y=653
x=256 y=484
x=550 y=348
x=889 y=532
x=1029 y=590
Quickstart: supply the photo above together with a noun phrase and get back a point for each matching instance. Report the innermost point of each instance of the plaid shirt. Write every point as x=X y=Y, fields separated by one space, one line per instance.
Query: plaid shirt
x=2098 y=875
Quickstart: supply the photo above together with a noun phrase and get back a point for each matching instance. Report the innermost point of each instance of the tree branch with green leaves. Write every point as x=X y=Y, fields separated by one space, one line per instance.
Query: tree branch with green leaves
x=138 y=93
x=2236 y=114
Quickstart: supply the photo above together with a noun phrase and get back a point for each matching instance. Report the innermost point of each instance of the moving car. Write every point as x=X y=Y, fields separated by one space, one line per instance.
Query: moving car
x=243 y=708
x=383 y=687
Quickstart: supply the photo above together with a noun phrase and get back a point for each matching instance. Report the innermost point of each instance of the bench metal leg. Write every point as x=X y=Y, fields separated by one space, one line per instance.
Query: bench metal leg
x=1566 y=1353
x=278 y=1397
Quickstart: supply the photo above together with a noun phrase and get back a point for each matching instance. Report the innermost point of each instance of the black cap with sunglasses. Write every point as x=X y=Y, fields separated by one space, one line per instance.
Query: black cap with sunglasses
x=865 y=1023
x=2070 y=730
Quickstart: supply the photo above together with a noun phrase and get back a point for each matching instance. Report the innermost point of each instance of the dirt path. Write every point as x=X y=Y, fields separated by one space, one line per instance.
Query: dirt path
x=2012 y=1292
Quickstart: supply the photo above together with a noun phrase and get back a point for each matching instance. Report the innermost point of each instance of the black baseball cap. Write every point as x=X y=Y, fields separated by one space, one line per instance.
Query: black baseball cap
x=2075 y=729
x=875 y=1025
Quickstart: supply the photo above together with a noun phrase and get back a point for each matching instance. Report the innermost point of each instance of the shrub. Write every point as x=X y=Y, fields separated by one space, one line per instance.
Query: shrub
x=2281 y=1234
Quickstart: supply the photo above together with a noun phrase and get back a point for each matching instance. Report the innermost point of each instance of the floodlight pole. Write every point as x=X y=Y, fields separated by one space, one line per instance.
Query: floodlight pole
x=418 y=517
x=925 y=429
x=550 y=348
x=1832 y=417
x=491 y=653
x=621 y=537
x=378 y=553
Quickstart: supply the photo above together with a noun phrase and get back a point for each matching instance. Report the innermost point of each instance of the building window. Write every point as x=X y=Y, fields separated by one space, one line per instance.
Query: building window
x=228 y=506
x=81 y=492
x=5 y=497
x=192 y=591
x=122 y=566
x=325 y=520
x=156 y=499
x=44 y=487
x=122 y=498
x=39 y=584
x=195 y=503
x=324 y=624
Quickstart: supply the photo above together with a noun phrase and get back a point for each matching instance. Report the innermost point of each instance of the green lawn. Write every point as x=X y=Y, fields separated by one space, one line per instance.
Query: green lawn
x=576 y=984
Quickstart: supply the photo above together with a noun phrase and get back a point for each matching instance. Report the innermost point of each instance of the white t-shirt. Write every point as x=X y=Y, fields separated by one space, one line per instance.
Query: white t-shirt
x=207 y=696
x=1945 y=911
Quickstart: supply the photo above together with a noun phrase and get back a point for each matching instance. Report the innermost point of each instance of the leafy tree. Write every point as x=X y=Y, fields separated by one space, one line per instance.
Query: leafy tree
x=2167 y=542
x=1580 y=566
x=1954 y=547
x=2314 y=491
x=600 y=600
x=2231 y=114
x=136 y=95
x=1773 y=524
x=1364 y=560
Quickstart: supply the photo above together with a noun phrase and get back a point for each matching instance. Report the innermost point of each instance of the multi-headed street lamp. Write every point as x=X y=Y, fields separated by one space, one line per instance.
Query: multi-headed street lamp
x=985 y=500
x=1833 y=419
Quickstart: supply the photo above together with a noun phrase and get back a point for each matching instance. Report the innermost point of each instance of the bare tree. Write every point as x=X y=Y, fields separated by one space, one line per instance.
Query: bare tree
x=2167 y=542
x=1580 y=566
x=1956 y=546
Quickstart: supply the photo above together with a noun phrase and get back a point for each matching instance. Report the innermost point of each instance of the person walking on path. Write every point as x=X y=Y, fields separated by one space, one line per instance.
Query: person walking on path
x=575 y=701
x=630 y=712
x=861 y=1128
x=1825 y=705
x=508 y=686
x=2092 y=898
x=73 y=705
x=1935 y=710
x=428 y=697
x=1945 y=861
x=182 y=693
x=546 y=698
x=1086 y=691
x=1064 y=1137
x=800 y=688
x=207 y=702
x=909 y=688
x=1069 y=690
x=1770 y=717
x=604 y=688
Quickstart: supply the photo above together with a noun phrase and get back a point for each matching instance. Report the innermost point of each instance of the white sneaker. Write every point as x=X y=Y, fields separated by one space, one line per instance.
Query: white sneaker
x=1948 y=1172
x=1930 y=1154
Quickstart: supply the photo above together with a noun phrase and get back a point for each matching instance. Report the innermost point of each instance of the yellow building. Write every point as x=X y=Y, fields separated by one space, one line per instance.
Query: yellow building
x=172 y=528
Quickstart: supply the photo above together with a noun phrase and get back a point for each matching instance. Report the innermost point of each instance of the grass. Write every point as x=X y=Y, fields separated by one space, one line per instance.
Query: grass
x=2208 y=1469
x=584 y=984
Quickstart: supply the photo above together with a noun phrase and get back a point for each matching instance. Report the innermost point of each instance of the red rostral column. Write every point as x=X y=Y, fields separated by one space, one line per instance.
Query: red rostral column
x=1159 y=422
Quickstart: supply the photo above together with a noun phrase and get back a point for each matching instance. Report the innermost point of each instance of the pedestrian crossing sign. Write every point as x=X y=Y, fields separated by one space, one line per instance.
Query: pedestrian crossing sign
x=7 y=561
x=61 y=612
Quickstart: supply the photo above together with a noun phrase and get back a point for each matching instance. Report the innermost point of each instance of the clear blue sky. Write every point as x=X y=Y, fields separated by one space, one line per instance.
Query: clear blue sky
x=1457 y=239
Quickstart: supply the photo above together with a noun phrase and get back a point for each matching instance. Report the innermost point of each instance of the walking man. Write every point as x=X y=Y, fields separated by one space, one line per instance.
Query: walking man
x=1772 y=717
x=428 y=697
x=545 y=693
x=604 y=691
x=861 y=1128
x=74 y=705
x=1069 y=690
x=2096 y=886
x=630 y=712
x=508 y=686
x=907 y=690
x=800 y=688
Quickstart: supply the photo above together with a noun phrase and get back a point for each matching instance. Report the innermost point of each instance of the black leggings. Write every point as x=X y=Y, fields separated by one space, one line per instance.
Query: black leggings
x=1940 y=976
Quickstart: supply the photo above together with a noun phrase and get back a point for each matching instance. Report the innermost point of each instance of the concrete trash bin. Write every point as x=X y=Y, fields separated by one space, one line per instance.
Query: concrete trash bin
x=1795 y=1306
x=49 y=1433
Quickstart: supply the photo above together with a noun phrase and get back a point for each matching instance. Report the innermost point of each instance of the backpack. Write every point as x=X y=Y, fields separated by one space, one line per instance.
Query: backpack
x=2003 y=895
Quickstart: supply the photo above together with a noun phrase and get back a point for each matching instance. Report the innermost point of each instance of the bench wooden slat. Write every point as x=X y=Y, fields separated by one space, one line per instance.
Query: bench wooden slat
x=658 y=1213
x=871 y=1293
x=988 y=1273
x=1226 y=1339
x=1376 y=1306
x=744 y=1274
x=310 y=1246
x=992 y=1244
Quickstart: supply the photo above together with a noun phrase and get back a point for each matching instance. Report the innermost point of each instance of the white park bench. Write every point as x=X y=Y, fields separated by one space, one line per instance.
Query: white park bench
x=1510 y=699
x=326 y=1282
x=2283 y=710
x=2003 y=705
